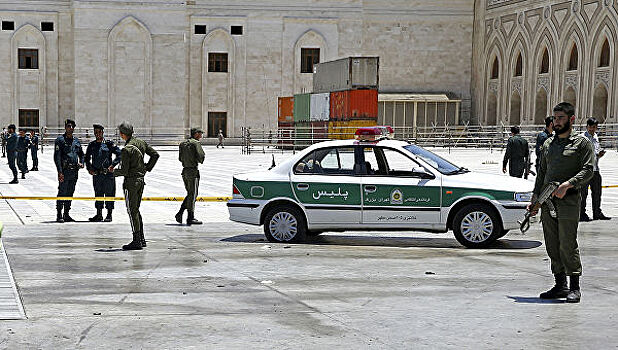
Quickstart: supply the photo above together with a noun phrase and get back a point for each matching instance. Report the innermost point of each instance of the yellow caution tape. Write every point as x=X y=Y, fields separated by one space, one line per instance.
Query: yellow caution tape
x=612 y=186
x=148 y=199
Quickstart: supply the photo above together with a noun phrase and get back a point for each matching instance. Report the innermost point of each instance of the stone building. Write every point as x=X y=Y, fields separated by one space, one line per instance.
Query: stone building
x=529 y=55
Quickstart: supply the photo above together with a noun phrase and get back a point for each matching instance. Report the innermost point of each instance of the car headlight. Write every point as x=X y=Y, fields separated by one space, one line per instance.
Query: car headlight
x=523 y=197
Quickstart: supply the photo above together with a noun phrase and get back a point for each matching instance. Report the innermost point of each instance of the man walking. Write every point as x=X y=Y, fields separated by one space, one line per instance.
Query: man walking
x=3 y=136
x=190 y=154
x=11 y=151
x=567 y=159
x=540 y=140
x=221 y=138
x=69 y=158
x=133 y=169
x=592 y=126
x=98 y=160
x=34 y=148
x=23 y=144
x=516 y=154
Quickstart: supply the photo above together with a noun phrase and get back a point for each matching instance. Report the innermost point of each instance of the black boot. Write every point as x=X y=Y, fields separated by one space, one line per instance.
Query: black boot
x=108 y=218
x=15 y=181
x=179 y=215
x=135 y=244
x=191 y=219
x=575 y=294
x=560 y=290
x=98 y=217
x=142 y=239
x=59 y=217
x=23 y=175
x=66 y=216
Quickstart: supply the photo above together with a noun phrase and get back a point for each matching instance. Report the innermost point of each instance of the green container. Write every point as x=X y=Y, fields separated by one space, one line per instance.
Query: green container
x=302 y=108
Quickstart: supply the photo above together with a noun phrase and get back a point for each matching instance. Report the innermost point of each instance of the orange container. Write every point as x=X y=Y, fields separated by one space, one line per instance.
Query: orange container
x=354 y=104
x=285 y=110
x=344 y=130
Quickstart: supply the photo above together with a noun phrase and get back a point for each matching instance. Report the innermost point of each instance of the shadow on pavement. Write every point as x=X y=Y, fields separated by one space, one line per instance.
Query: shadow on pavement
x=110 y=250
x=535 y=300
x=402 y=242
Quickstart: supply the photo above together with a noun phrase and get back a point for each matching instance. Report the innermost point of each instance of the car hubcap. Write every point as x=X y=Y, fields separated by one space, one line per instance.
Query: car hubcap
x=283 y=226
x=477 y=227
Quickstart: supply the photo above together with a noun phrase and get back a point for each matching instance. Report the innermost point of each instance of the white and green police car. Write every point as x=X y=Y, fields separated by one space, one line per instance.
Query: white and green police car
x=377 y=185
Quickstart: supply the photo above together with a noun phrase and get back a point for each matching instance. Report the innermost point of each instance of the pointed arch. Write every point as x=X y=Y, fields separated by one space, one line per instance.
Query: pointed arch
x=544 y=62
x=600 y=101
x=545 y=49
x=518 y=71
x=495 y=68
x=604 y=55
x=573 y=39
x=573 y=58
x=602 y=34
x=519 y=53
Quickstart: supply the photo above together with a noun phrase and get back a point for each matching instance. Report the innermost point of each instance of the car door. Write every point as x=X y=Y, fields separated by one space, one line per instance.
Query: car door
x=325 y=183
x=393 y=194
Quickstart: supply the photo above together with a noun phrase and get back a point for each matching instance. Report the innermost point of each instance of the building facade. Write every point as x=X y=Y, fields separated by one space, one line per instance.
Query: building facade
x=169 y=65
x=530 y=55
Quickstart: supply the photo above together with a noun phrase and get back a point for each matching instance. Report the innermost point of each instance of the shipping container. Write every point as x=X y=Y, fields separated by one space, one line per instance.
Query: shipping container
x=285 y=133
x=285 y=110
x=320 y=107
x=344 y=130
x=349 y=73
x=302 y=107
x=353 y=104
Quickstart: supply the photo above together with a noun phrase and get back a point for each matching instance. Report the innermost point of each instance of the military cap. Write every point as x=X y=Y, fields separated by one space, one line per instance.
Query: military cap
x=98 y=126
x=69 y=121
x=126 y=128
x=194 y=130
x=11 y=126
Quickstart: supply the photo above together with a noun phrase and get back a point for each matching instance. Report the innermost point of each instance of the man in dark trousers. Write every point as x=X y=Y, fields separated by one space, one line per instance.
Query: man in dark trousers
x=98 y=160
x=23 y=144
x=190 y=154
x=34 y=148
x=516 y=154
x=568 y=159
x=592 y=126
x=11 y=151
x=540 y=140
x=3 y=136
x=133 y=169
x=69 y=158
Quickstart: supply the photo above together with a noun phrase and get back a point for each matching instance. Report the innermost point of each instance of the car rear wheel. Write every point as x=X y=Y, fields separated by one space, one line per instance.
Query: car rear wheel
x=476 y=226
x=285 y=224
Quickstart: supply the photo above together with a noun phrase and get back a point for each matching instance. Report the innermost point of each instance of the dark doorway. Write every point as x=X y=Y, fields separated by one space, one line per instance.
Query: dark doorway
x=29 y=118
x=217 y=121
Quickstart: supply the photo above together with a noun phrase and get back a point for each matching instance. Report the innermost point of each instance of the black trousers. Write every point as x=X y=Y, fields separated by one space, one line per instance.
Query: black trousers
x=35 y=158
x=595 y=188
x=517 y=169
x=104 y=186
x=22 y=161
x=66 y=188
x=12 y=156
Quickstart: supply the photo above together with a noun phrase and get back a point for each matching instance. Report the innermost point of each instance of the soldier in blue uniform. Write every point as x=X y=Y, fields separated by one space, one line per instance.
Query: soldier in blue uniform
x=23 y=144
x=98 y=160
x=11 y=151
x=69 y=158
x=34 y=148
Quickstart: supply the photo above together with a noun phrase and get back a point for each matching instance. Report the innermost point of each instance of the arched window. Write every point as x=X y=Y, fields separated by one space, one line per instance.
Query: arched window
x=573 y=59
x=545 y=62
x=604 y=58
x=494 y=69
x=518 y=66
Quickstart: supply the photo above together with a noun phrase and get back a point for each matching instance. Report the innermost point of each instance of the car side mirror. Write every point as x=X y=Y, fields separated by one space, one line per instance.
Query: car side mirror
x=422 y=173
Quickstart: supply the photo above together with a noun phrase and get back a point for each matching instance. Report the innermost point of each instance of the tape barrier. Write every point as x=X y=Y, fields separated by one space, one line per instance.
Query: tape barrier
x=107 y=199
x=611 y=186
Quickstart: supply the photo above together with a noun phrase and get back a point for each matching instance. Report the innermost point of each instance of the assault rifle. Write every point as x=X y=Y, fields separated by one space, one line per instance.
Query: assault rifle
x=544 y=197
x=529 y=170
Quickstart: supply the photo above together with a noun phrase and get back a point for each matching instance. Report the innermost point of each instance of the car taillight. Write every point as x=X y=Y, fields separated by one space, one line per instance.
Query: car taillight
x=235 y=190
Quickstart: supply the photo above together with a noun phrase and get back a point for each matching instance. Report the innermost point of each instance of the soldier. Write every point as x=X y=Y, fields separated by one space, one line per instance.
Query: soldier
x=592 y=126
x=69 y=158
x=4 y=135
x=98 y=160
x=540 y=140
x=133 y=169
x=568 y=159
x=516 y=154
x=190 y=154
x=11 y=151
x=23 y=144
x=34 y=148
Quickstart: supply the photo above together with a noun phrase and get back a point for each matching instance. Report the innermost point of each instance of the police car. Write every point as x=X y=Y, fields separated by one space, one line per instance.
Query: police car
x=373 y=183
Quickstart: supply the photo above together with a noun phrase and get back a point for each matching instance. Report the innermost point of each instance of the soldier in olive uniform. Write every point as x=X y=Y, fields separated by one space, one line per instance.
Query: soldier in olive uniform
x=11 y=151
x=133 y=169
x=98 y=159
x=23 y=144
x=190 y=154
x=516 y=154
x=34 y=148
x=568 y=159
x=69 y=158
x=540 y=140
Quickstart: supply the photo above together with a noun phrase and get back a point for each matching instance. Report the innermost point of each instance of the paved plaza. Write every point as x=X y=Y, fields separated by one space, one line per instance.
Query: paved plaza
x=221 y=285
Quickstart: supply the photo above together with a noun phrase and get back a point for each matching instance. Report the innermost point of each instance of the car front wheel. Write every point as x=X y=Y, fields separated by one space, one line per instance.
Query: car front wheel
x=476 y=226
x=285 y=224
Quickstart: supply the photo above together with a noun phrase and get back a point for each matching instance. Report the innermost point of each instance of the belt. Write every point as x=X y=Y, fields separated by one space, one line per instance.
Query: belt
x=101 y=172
x=70 y=167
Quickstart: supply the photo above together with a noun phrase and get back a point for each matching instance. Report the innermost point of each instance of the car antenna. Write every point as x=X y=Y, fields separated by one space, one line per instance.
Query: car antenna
x=273 y=163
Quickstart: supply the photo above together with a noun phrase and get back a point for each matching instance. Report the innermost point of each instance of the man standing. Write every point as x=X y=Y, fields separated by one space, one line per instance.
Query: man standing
x=23 y=144
x=98 y=160
x=190 y=154
x=4 y=135
x=133 y=169
x=34 y=148
x=221 y=138
x=69 y=158
x=568 y=159
x=592 y=126
x=540 y=140
x=516 y=154
x=11 y=151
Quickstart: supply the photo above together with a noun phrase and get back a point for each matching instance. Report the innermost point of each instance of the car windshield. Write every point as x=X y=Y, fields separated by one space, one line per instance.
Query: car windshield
x=439 y=163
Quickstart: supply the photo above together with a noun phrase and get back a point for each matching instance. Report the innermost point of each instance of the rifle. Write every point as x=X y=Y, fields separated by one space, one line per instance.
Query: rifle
x=529 y=167
x=544 y=197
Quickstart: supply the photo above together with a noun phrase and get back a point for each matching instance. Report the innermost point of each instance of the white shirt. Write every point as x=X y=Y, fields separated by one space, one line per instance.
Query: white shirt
x=597 y=148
